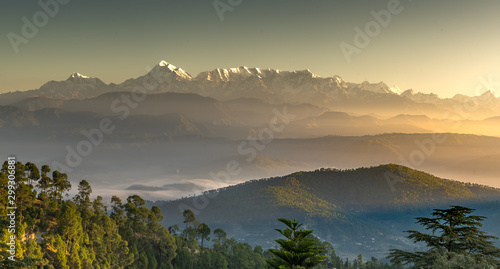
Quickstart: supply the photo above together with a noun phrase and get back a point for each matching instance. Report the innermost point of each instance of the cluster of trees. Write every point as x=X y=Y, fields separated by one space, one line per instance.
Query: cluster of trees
x=52 y=232
x=81 y=232
x=456 y=242
x=299 y=249
x=193 y=253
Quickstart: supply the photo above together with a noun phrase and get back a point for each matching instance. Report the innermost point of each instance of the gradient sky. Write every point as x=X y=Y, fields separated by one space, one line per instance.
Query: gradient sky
x=431 y=46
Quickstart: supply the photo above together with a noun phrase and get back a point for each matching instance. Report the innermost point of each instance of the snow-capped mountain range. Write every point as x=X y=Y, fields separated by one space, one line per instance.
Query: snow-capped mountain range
x=271 y=85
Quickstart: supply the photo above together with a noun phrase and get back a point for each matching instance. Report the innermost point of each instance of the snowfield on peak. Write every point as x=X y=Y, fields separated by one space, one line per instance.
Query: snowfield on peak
x=78 y=75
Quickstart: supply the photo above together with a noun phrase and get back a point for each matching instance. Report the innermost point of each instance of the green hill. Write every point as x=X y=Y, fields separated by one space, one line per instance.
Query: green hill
x=327 y=192
x=349 y=206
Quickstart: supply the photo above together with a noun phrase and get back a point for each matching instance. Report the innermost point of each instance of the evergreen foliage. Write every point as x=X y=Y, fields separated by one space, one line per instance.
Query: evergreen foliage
x=298 y=250
x=456 y=242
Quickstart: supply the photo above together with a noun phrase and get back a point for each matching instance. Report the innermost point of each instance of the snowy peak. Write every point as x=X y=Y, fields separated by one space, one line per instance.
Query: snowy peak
x=306 y=72
x=489 y=94
x=170 y=67
x=380 y=87
x=163 y=63
x=243 y=72
x=77 y=78
x=396 y=90
x=234 y=74
x=167 y=72
x=77 y=75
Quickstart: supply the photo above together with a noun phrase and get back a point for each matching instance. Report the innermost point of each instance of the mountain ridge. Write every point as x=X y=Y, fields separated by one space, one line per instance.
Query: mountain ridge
x=273 y=85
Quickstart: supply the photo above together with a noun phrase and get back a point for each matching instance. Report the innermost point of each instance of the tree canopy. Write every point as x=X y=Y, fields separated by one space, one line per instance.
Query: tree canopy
x=456 y=241
x=297 y=250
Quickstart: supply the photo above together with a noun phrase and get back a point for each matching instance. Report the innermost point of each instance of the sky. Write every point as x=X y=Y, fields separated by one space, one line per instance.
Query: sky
x=444 y=47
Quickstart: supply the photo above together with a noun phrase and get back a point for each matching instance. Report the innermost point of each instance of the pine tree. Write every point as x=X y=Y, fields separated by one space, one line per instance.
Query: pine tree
x=32 y=172
x=45 y=182
x=298 y=250
x=456 y=242
x=60 y=184
x=189 y=217
x=204 y=232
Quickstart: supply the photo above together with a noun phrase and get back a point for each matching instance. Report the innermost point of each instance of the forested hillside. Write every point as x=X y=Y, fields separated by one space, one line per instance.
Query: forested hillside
x=333 y=192
x=360 y=210
x=52 y=230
